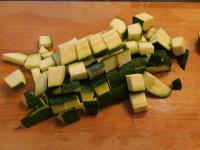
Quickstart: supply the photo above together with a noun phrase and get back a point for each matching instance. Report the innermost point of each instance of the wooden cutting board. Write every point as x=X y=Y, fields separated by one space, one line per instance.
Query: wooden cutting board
x=171 y=123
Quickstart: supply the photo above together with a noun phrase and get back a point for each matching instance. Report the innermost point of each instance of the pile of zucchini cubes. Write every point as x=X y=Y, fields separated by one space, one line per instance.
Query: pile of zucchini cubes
x=98 y=70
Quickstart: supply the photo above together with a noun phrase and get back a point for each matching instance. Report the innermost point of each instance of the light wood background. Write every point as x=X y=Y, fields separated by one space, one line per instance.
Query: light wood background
x=172 y=123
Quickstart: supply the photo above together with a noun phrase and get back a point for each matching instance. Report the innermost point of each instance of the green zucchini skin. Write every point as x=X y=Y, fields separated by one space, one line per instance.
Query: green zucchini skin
x=119 y=93
x=56 y=100
x=71 y=86
x=105 y=100
x=176 y=84
x=91 y=107
x=182 y=59
x=114 y=78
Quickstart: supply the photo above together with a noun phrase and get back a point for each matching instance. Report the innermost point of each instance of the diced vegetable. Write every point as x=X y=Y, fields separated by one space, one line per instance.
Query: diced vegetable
x=123 y=57
x=156 y=69
x=134 y=32
x=15 y=79
x=105 y=100
x=89 y=61
x=150 y=33
x=91 y=106
x=15 y=58
x=120 y=26
x=145 y=48
x=110 y=63
x=114 y=78
x=143 y=39
x=144 y=19
x=57 y=90
x=176 y=84
x=95 y=70
x=132 y=46
x=101 y=58
x=32 y=61
x=73 y=101
x=56 y=58
x=86 y=92
x=46 y=63
x=119 y=93
x=178 y=46
x=135 y=82
x=45 y=41
x=182 y=59
x=46 y=55
x=139 y=102
x=43 y=50
x=35 y=74
x=58 y=104
x=71 y=86
x=41 y=84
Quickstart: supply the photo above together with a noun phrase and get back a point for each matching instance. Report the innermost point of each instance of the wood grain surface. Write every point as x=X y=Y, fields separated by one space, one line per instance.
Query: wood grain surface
x=171 y=123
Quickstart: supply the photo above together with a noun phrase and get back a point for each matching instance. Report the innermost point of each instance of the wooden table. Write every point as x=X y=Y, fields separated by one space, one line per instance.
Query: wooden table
x=172 y=123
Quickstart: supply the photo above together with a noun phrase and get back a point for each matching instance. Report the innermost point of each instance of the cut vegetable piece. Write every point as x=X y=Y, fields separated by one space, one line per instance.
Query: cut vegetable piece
x=176 y=84
x=105 y=100
x=134 y=32
x=182 y=59
x=56 y=100
x=68 y=116
x=123 y=57
x=135 y=82
x=57 y=91
x=150 y=33
x=155 y=86
x=120 y=26
x=35 y=74
x=159 y=58
x=89 y=60
x=46 y=63
x=56 y=58
x=37 y=116
x=110 y=63
x=178 y=46
x=30 y=101
x=139 y=102
x=86 y=92
x=97 y=44
x=82 y=48
x=100 y=85
x=15 y=79
x=71 y=86
x=32 y=61
x=114 y=78
x=95 y=70
x=132 y=46
x=112 y=40
x=120 y=93
x=143 y=39
x=56 y=76
x=43 y=50
x=144 y=19
x=15 y=58
x=77 y=71
x=45 y=41
x=56 y=109
x=156 y=69
x=145 y=48
x=67 y=52
x=46 y=55
x=91 y=106
x=100 y=59
x=72 y=101
x=41 y=84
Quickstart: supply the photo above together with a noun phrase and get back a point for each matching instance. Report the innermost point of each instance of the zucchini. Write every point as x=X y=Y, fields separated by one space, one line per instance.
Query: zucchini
x=67 y=52
x=73 y=101
x=176 y=84
x=56 y=76
x=68 y=116
x=135 y=82
x=42 y=50
x=56 y=58
x=110 y=63
x=134 y=32
x=32 y=61
x=15 y=58
x=120 y=93
x=143 y=39
x=41 y=84
x=105 y=100
x=91 y=106
x=56 y=109
x=112 y=40
x=156 y=69
x=97 y=44
x=120 y=26
x=15 y=79
x=82 y=48
x=45 y=41
x=77 y=71
x=182 y=59
x=57 y=91
x=145 y=48
x=36 y=116
x=71 y=86
x=132 y=46
x=89 y=61
x=57 y=104
x=155 y=87
x=86 y=92
x=95 y=70
x=101 y=58
x=150 y=33
x=35 y=74
x=46 y=63
x=178 y=46
x=144 y=19
x=139 y=102
x=46 y=55
x=123 y=57
x=30 y=101
x=114 y=78
x=56 y=100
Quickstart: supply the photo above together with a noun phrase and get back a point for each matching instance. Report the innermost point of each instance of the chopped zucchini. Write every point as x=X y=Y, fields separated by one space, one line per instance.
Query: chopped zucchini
x=134 y=32
x=145 y=48
x=32 y=61
x=105 y=100
x=95 y=70
x=71 y=86
x=135 y=82
x=15 y=58
x=120 y=26
x=112 y=40
x=139 y=102
x=82 y=48
x=110 y=63
x=178 y=46
x=72 y=101
x=56 y=100
x=45 y=41
x=156 y=69
x=90 y=106
x=176 y=84
x=46 y=63
x=15 y=79
x=46 y=55
x=143 y=39
x=67 y=52
x=150 y=33
x=123 y=57
x=132 y=46
x=114 y=78
x=56 y=58
x=36 y=116
x=155 y=86
x=89 y=61
x=35 y=74
x=144 y=19
x=57 y=91
x=43 y=50
x=120 y=93
x=182 y=59
x=101 y=58
x=86 y=92
x=56 y=76
x=77 y=71
x=41 y=84
x=68 y=116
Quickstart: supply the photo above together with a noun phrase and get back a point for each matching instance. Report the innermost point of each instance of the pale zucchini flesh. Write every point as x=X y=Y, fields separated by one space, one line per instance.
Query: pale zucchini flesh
x=32 y=61
x=132 y=46
x=35 y=74
x=123 y=57
x=178 y=46
x=120 y=26
x=135 y=82
x=45 y=41
x=46 y=63
x=41 y=84
x=15 y=58
x=134 y=32
x=146 y=48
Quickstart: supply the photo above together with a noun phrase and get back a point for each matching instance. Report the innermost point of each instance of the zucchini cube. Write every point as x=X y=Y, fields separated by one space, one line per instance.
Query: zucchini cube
x=72 y=100
x=114 y=78
x=135 y=82
x=91 y=106
x=182 y=59
x=15 y=58
x=105 y=100
x=41 y=84
x=45 y=41
x=95 y=70
x=123 y=57
x=132 y=46
x=89 y=61
x=71 y=86
x=32 y=61
x=46 y=55
x=35 y=74
x=146 y=48
x=46 y=63
x=134 y=32
x=178 y=46
x=86 y=91
x=110 y=63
